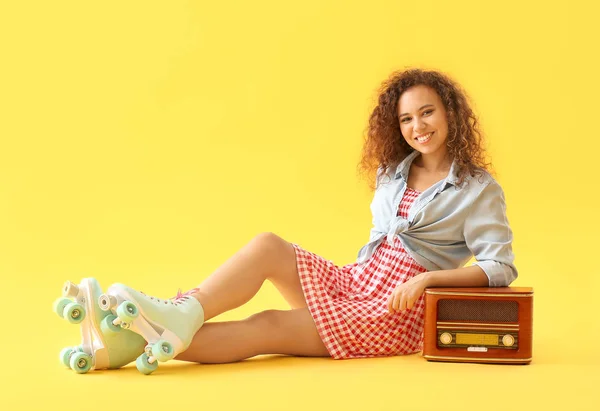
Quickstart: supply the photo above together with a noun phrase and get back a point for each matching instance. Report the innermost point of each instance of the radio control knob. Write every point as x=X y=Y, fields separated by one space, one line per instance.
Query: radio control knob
x=508 y=340
x=446 y=338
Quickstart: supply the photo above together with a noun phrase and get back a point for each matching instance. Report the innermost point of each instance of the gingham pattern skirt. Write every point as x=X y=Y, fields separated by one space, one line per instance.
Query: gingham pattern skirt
x=349 y=304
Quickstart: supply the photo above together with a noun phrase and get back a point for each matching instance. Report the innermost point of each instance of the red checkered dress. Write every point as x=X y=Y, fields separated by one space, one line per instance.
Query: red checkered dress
x=349 y=303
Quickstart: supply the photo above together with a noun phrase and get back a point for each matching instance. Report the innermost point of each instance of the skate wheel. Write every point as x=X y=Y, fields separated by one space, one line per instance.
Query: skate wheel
x=74 y=313
x=163 y=351
x=106 y=302
x=59 y=306
x=144 y=366
x=80 y=362
x=127 y=311
x=70 y=290
x=65 y=356
x=107 y=326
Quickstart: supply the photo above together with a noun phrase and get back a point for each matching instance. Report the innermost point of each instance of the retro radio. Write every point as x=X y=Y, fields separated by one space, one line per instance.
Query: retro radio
x=488 y=325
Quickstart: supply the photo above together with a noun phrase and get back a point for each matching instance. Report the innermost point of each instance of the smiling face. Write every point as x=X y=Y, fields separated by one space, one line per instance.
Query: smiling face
x=423 y=121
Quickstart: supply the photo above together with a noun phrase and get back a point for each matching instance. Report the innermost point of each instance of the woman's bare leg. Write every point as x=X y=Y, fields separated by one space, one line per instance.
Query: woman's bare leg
x=290 y=332
x=267 y=256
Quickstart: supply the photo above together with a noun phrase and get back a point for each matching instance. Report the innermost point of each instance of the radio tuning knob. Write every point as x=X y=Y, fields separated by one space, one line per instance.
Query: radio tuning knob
x=446 y=338
x=508 y=340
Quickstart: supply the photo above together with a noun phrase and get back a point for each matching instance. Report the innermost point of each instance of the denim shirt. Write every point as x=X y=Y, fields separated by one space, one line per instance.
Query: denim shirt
x=447 y=224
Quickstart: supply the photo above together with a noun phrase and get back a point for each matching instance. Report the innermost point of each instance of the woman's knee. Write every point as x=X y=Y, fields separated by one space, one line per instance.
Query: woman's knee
x=274 y=323
x=278 y=259
x=275 y=249
x=268 y=242
x=290 y=332
x=268 y=319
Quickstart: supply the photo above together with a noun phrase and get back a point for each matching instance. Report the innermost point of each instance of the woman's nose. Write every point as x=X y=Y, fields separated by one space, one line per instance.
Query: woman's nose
x=419 y=125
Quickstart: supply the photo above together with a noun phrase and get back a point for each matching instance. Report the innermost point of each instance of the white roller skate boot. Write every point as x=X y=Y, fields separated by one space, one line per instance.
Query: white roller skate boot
x=168 y=325
x=102 y=346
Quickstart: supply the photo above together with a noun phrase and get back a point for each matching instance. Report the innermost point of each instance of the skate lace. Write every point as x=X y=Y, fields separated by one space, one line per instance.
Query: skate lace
x=178 y=299
x=181 y=297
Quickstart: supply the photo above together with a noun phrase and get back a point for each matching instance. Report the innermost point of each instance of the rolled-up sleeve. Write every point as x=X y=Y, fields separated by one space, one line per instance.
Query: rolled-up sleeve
x=489 y=236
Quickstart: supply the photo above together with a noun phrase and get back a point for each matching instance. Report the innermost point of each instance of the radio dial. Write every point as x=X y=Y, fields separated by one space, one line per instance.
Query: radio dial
x=446 y=338
x=508 y=340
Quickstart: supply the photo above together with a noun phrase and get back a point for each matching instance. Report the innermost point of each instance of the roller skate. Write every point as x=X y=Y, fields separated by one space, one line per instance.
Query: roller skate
x=99 y=349
x=168 y=325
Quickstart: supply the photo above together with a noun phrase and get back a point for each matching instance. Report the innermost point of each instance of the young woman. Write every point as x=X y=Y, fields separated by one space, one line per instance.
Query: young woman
x=435 y=206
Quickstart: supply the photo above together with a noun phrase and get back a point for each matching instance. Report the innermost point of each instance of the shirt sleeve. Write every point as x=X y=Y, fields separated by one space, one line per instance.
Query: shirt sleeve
x=489 y=237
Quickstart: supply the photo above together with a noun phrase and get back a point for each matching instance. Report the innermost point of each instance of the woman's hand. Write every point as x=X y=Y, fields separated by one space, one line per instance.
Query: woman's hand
x=406 y=294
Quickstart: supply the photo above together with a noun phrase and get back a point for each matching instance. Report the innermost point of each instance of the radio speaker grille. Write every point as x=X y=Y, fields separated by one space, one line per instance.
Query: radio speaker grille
x=478 y=310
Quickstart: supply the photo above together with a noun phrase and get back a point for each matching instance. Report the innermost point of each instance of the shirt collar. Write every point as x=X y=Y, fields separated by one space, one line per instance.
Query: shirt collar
x=404 y=167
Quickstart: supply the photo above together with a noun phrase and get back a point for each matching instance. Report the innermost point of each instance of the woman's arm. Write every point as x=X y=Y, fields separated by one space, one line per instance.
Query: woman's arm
x=406 y=294
x=488 y=236
x=472 y=276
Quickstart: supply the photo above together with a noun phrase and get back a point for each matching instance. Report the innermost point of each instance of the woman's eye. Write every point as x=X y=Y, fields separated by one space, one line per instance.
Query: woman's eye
x=408 y=118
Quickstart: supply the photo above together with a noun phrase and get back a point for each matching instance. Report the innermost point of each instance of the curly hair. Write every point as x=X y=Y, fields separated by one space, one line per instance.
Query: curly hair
x=384 y=145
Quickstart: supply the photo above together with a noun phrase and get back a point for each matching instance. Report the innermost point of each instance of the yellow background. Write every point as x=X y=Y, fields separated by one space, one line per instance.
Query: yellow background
x=145 y=142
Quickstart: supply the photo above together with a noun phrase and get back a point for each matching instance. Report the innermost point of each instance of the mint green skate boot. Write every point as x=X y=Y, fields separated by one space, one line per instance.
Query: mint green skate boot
x=99 y=349
x=168 y=325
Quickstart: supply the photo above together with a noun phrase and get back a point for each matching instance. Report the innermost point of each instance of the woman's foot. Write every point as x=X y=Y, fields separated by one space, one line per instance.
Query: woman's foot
x=168 y=325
